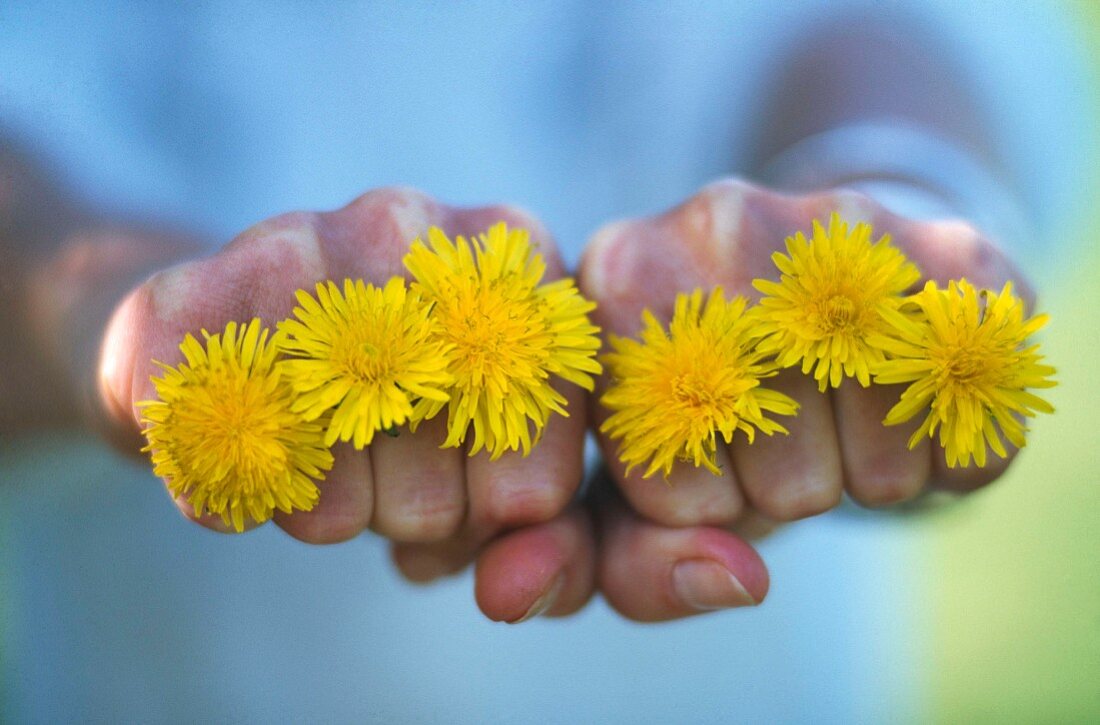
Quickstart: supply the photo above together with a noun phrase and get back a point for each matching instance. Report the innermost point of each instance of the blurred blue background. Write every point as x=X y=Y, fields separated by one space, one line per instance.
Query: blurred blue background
x=215 y=116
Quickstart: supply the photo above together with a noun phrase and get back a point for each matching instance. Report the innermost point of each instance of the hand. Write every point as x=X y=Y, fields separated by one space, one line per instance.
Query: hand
x=439 y=507
x=647 y=572
x=724 y=236
x=406 y=488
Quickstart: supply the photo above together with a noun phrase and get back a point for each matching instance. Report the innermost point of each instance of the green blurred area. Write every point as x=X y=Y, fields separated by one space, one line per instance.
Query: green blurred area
x=1012 y=575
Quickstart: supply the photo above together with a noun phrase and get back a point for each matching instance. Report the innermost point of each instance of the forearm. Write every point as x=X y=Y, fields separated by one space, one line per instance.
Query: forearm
x=63 y=268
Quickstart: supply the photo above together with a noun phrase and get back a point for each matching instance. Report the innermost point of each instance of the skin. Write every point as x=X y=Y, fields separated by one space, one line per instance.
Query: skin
x=439 y=507
x=725 y=235
x=87 y=318
x=405 y=488
x=655 y=552
x=91 y=301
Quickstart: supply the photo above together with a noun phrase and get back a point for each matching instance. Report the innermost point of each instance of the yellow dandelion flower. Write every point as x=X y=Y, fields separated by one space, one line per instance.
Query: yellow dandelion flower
x=966 y=354
x=673 y=393
x=510 y=334
x=830 y=299
x=223 y=432
x=369 y=353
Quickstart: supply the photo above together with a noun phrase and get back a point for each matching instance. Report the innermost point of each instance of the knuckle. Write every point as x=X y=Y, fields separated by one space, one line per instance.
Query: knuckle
x=730 y=193
x=970 y=479
x=286 y=242
x=959 y=248
x=713 y=216
x=515 y=504
x=854 y=206
x=295 y=222
x=784 y=503
x=519 y=216
x=202 y=294
x=263 y=267
x=715 y=234
x=971 y=249
x=371 y=235
x=398 y=212
x=478 y=220
x=421 y=565
x=256 y=274
x=609 y=260
x=399 y=195
x=885 y=489
x=430 y=514
x=717 y=508
x=169 y=289
x=323 y=529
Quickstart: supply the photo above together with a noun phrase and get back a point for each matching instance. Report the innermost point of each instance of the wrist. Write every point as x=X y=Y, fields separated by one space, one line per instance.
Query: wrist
x=69 y=298
x=909 y=169
x=30 y=398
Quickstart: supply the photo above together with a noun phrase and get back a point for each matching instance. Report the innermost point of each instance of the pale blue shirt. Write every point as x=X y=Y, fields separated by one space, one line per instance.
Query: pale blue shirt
x=216 y=116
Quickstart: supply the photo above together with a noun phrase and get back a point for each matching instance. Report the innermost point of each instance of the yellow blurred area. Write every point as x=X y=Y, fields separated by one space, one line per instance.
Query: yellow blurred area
x=1012 y=575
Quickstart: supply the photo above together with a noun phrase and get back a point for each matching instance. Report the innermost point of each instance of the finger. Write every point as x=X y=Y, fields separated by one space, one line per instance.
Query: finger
x=753 y=525
x=943 y=250
x=344 y=508
x=688 y=496
x=209 y=520
x=951 y=249
x=547 y=569
x=508 y=492
x=473 y=221
x=724 y=235
x=369 y=238
x=964 y=479
x=514 y=490
x=424 y=563
x=420 y=488
x=628 y=266
x=652 y=573
x=420 y=492
x=720 y=236
x=256 y=275
x=879 y=467
x=789 y=477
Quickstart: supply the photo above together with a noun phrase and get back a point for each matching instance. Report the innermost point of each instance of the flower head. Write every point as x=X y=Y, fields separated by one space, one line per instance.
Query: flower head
x=966 y=354
x=223 y=432
x=369 y=353
x=830 y=299
x=672 y=394
x=510 y=335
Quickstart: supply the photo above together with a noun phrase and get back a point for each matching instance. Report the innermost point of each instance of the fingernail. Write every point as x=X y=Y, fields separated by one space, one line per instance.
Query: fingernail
x=544 y=602
x=706 y=585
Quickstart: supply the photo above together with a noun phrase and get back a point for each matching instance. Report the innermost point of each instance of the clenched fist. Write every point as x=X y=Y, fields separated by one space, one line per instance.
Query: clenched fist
x=725 y=235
